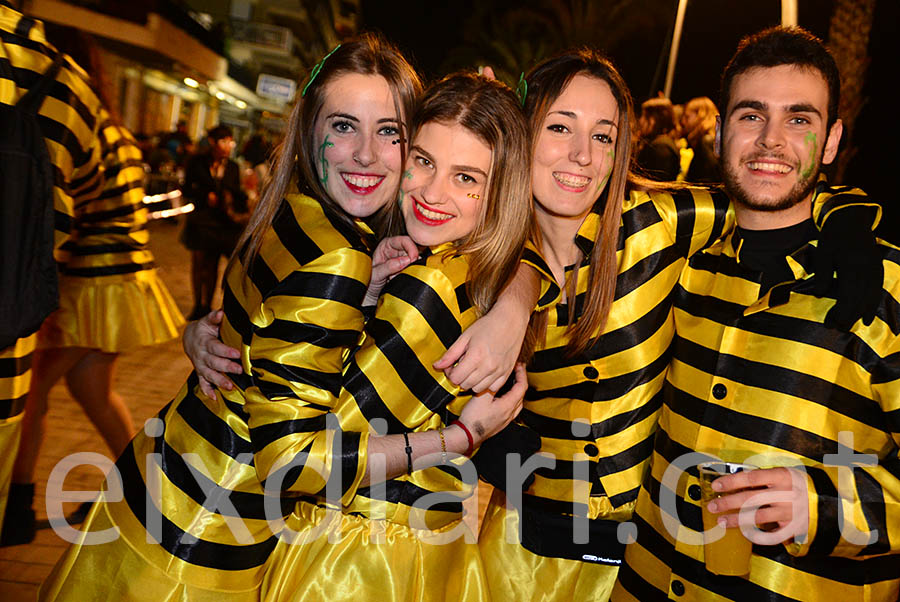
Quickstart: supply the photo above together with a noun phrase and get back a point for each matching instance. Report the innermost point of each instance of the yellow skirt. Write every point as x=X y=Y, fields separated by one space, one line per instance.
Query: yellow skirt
x=15 y=379
x=112 y=313
x=396 y=565
x=516 y=574
x=116 y=571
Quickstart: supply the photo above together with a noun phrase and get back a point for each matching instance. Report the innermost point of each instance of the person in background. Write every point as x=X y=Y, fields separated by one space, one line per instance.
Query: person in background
x=111 y=299
x=657 y=154
x=178 y=143
x=698 y=127
x=212 y=182
x=73 y=137
x=256 y=154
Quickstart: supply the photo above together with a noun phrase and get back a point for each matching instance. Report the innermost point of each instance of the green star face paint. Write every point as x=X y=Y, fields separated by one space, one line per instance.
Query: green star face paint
x=407 y=175
x=812 y=144
x=323 y=177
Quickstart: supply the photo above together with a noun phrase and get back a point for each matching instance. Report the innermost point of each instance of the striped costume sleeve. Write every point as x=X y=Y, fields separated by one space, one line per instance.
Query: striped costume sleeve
x=854 y=500
x=695 y=217
x=831 y=199
x=110 y=235
x=69 y=119
x=310 y=318
x=390 y=379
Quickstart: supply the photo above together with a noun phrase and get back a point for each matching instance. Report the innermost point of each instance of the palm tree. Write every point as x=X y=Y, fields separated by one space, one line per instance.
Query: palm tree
x=513 y=40
x=848 y=40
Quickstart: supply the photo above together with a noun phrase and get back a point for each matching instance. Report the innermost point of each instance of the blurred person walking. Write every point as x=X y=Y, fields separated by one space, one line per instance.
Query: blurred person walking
x=212 y=182
x=111 y=300
x=64 y=167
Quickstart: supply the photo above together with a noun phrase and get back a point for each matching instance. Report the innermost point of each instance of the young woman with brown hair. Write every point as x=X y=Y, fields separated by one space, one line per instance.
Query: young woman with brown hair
x=193 y=523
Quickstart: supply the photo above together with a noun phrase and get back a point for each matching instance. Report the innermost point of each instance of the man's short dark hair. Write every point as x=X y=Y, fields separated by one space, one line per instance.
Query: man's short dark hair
x=219 y=132
x=783 y=46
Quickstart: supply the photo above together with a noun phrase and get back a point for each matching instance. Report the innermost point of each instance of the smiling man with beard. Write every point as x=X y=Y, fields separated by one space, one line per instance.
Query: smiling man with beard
x=759 y=375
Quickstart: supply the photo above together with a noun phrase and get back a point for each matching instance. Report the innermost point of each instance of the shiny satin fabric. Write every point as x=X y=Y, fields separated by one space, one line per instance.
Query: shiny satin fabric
x=758 y=378
x=15 y=378
x=238 y=438
x=396 y=565
x=114 y=314
x=10 y=434
x=118 y=572
x=514 y=574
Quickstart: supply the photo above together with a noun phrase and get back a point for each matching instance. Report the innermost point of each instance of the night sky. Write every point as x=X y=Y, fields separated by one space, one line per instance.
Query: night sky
x=427 y=31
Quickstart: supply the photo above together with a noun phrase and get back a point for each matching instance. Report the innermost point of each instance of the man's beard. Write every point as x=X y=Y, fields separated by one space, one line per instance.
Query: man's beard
x=799 y=192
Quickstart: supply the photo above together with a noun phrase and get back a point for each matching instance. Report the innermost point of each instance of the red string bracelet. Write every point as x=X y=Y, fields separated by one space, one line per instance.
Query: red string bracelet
x=468 y=436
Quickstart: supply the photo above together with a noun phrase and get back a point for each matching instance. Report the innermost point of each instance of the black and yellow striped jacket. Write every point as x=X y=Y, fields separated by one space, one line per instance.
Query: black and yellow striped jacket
x=69 y=119
x=755 y=374
x=596 y=412
x=109 y=234
x=293 y=319
x=390 y=385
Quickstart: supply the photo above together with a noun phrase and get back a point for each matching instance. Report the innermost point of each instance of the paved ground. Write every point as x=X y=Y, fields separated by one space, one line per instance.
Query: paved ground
x=146 y=379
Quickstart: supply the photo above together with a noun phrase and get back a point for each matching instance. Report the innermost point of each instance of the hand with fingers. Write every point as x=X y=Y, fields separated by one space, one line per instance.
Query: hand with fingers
x=212 y=359
x=766 y=496
x=486 y=415
x=483 y=357
x=391 y=255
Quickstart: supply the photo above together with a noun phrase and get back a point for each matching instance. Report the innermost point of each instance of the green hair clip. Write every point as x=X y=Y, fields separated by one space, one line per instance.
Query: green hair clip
x=522 y=88
x=316 y=69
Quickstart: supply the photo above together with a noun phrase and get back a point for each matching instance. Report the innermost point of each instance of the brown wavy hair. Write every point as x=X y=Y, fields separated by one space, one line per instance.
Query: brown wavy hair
x=546 y=82
x=294 y=159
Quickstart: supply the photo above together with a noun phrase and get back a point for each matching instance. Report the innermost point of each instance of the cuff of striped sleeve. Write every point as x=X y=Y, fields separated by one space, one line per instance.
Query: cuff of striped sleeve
x=801 y=549
x=356 y=444
x=827 y=205
x=825 y=520
x=550 y=290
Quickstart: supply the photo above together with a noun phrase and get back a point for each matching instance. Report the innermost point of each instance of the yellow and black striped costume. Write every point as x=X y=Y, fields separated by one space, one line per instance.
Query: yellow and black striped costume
x=390 y=385
x=111 y=297
x=597 y=413
x=293 y=318
x=761 y=374
x=69 y=119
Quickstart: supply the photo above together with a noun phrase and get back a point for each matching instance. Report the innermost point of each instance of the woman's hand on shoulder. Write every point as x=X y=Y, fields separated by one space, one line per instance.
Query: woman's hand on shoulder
x=211 y=357
x=391 y=255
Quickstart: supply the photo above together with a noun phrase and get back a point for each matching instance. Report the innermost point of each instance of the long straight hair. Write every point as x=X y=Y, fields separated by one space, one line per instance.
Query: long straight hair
x=489 y=110
x=294 y=159
x=546 y=82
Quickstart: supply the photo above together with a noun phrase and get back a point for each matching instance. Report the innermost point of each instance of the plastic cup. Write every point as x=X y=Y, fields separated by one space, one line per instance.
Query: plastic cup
x=727 y=554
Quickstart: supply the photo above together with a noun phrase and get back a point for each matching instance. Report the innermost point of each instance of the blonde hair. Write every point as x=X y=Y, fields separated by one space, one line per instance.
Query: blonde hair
x=489 y=109
x=706 y=124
